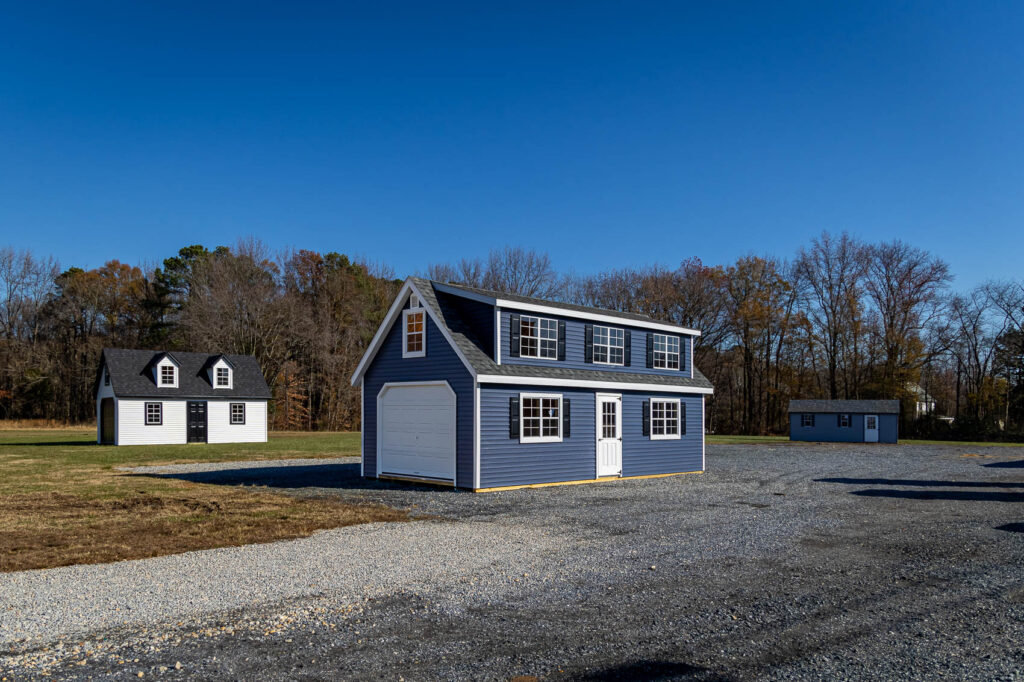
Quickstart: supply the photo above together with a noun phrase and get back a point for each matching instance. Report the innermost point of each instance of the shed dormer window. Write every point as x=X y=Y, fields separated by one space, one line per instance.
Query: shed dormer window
x=666 y=351
x=166 y=375
x=223 y=377
x=538 y=337
x=414 y=337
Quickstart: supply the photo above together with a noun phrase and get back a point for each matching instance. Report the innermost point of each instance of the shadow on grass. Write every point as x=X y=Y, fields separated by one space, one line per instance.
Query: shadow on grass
x=343 y=476
x=49 y=444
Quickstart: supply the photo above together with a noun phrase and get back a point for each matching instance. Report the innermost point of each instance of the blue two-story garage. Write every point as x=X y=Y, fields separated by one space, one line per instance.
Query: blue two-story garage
x=485 y=390
x=844 y=421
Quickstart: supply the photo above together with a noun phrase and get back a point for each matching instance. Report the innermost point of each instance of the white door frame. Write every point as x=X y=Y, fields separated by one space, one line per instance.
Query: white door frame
x=598 y=397
x=455 y=420
x=873 y=431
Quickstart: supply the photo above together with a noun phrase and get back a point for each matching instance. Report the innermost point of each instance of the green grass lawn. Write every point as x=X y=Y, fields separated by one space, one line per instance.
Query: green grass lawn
x=64 y=500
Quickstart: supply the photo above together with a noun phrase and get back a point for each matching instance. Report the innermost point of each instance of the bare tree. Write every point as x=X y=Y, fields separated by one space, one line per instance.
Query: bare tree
x=516 y=270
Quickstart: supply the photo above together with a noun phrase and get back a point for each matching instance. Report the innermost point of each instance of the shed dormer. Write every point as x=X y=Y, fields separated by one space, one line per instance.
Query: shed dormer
x=220 y=372
x=165 y=371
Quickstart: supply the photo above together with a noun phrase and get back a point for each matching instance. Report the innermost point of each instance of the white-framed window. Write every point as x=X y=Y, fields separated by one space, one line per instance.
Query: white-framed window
x=223 y=377
x=807 y=420
x=167 y=375
x=538 y=337
x=666 y=352
x=609 y=345
x=540 y=418
x=154 y=414
x=414 y=333
x=237 y=413
x=844 y=420
x=665 y=418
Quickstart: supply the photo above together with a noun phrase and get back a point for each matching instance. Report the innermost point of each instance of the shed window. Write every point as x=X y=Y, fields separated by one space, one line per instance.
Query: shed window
x=414 y=344
x=154 y=414
x=844 y=420
x=237 y=413
x=223 y=377
x=541 y=418
x=666 y=351
x=609 y=345
x=664 y=419
x=807 y=420
x=538 y=337
x=167 y=375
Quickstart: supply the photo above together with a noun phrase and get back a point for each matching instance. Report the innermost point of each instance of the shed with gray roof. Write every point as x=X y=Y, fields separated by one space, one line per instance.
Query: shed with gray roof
x=844 y=421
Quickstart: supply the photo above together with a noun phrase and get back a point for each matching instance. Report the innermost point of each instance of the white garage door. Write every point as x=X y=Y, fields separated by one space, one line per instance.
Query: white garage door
x=417 y=431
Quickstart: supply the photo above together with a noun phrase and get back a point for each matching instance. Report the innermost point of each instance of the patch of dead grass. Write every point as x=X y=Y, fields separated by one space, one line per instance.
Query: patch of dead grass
x=45 y=530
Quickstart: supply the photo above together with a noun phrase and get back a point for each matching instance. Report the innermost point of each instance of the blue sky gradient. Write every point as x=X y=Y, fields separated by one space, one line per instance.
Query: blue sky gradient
x=607 y=134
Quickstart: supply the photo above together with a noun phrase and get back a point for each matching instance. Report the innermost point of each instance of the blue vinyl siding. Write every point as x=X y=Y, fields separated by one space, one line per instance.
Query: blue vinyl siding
x=440 y=362
x=826 y=428
x=505 y=461
x=575 y=331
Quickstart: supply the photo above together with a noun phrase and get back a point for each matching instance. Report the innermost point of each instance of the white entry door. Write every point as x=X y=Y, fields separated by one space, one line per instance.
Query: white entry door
x=416 y=431
x=609 y=435
x=870 y=428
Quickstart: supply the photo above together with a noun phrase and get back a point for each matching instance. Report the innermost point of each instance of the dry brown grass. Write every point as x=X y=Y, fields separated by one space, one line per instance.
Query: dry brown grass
x=19 y=424
x=63 y=501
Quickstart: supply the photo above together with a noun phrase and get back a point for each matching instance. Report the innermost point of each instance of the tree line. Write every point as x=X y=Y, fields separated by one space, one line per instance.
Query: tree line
x=840 y=319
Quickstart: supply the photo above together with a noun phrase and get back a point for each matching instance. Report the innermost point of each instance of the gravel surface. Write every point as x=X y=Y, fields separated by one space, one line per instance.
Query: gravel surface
x=783 y=562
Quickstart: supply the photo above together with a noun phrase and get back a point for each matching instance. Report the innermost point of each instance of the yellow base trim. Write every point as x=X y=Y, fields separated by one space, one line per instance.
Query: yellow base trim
x=603 y=479
x=414 y=479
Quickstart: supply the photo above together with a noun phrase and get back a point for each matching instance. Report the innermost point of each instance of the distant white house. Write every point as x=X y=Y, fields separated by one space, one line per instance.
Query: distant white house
x=924 y=403
x=146 y=397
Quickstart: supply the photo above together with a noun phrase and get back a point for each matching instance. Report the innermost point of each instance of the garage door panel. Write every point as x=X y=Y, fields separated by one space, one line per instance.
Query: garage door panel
x=418 y=431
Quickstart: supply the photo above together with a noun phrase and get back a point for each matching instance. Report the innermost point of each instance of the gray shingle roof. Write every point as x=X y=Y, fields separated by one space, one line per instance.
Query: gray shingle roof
x=636 y=317
x=871 y=406
x=131 y=375
x=482 y=363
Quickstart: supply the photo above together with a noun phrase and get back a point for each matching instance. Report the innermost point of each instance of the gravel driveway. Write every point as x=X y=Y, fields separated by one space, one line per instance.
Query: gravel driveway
x=785 y=562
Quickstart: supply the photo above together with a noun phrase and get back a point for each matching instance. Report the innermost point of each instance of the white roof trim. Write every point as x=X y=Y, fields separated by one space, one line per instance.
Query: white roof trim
x=555 y=310
x=389 y=321
x=590 y=383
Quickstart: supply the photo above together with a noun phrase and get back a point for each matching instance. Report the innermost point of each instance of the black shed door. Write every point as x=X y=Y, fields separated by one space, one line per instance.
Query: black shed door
x=196 y=422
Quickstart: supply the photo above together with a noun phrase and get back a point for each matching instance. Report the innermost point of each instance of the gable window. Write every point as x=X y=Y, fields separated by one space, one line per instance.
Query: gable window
x=806 y=420
x=154 y=414
x=414 y=341
x=844 y=420
x=666 y=351
x=223 y=377
x=609 y=345
x=166 y=375
x=237 y=413
x=664 y=419
x=538 y=337
x=541 y=418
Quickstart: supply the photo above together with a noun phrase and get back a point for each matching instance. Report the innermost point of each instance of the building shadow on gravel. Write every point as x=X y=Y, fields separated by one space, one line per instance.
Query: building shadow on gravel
x=652 y=671
x=953 y=495
x=334 y=475
x=1012 y=527
x=923 y=483
x=1014 y=464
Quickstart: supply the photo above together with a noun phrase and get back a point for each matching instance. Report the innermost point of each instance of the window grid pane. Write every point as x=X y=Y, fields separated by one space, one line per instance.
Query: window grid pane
x=237 y=413
x=664 y=418
x=166 y=375
x=666 y=352
x=414 y=332
x=541 y=417
x=154 y=413
x=608 y=345
x=538 y=337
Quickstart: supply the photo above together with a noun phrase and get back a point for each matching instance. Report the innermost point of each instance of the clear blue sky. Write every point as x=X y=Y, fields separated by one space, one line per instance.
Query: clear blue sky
x=607 y=134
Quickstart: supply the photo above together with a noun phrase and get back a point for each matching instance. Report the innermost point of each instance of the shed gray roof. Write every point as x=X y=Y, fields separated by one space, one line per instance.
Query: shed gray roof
x=482 y=363
x=869 y=406
x=131 y=375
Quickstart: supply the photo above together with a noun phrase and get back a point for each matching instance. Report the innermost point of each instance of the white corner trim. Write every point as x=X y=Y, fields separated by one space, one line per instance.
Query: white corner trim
x=555 y=310
x=703 y=435
x=497 y=335
x=476 y=435
x=362 y=427
x=405 y=333
x=590 y=383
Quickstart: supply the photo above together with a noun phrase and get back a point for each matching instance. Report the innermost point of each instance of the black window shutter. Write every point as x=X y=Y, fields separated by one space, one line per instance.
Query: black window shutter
x=627 y=351
x=683 y=345
x=588 y=343
x=513 y=417
x=682 y=418
x=650 y=350
x=561 y=339
x=513 y=336
x=566 y=431
x=647 y=417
